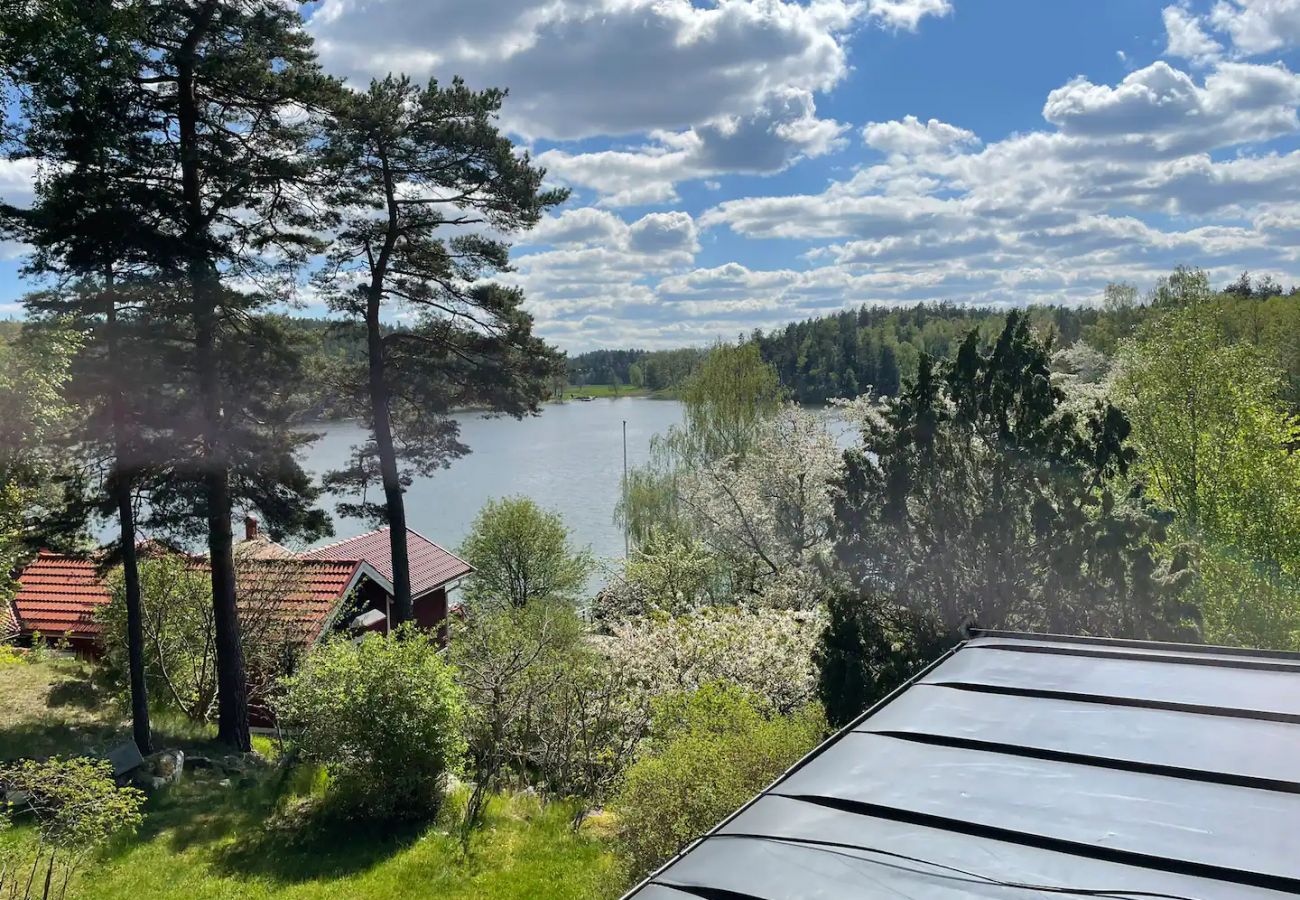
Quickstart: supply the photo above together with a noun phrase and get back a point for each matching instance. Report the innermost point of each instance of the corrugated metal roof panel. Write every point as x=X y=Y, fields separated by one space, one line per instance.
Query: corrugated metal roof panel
x=1024 y=765
x=431 y=565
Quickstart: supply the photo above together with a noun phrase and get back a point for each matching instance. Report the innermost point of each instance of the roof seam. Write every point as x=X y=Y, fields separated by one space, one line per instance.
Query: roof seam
x=1059 y=845
x=1085 y=759
x=1134 y=702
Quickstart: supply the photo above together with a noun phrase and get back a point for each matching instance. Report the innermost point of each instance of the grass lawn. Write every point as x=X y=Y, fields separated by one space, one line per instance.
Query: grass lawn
x=574 y=392
x=202 y=841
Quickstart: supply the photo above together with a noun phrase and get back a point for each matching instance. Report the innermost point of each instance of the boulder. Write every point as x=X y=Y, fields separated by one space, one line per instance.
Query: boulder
x=242 y=763
x=125 y=759
x=165 y=766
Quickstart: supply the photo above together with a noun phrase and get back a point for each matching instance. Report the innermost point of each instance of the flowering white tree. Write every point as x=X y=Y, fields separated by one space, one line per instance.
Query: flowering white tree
x=766 y=652
x=767 y=513
x=667 y=573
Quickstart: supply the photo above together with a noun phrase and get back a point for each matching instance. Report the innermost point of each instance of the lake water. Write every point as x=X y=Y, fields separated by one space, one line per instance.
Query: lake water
x=568 y=459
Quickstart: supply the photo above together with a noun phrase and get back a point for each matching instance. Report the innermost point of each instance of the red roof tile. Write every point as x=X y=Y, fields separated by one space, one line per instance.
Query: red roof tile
x=59 y=594
x=431 y=565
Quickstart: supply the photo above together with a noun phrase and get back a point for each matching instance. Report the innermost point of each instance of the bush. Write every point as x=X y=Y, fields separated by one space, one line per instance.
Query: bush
x=384 y=717
x=76 y=807
x=180 y=631
x=711 y=751
x=766 y=652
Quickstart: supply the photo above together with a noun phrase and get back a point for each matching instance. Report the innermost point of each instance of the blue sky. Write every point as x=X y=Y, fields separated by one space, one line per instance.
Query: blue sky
x=742 y=163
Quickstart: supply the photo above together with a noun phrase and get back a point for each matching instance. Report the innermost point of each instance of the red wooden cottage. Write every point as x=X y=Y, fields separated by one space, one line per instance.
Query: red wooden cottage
x=345 y=585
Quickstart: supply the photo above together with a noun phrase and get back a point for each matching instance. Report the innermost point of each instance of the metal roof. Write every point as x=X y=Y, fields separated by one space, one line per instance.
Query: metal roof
x=431 y=566
x=1024 y=765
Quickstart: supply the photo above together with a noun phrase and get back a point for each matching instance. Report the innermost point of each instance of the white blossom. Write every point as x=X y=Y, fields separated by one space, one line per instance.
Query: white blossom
x=767 y=652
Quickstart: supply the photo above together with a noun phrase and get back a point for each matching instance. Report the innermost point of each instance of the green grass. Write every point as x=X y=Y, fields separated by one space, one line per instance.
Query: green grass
x=203 y=841
x=55 y=707
x=574 y=392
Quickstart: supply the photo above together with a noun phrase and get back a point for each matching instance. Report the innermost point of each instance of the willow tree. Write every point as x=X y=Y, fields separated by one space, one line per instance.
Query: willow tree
x=429 y=188
x=726 y=401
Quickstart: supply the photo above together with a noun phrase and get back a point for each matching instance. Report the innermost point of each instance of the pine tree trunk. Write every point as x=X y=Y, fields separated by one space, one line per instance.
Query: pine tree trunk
x=232 y=685
x=122 y=479
x=140 y=726
x=395 y=504
x=403 y=608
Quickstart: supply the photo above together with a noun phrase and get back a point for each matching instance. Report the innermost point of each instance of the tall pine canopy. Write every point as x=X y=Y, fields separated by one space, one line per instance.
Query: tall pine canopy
x=429 y=188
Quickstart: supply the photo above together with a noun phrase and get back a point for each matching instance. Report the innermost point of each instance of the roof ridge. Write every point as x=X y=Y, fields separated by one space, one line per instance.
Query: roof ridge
x=436 y=544
x=337 y=543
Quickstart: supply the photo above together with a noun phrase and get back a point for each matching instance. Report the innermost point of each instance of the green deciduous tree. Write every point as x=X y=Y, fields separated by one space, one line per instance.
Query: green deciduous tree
x=724 y=401
x=34 y=371
x=522 y=553
x=508 y=659
x=411 y=167
x=179 y=628
x=1217 y=444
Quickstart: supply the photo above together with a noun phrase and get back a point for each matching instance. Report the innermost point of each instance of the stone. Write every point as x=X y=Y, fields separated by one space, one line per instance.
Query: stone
x=198 y=762
x=225 y=783
x=166 y=765
x=242 y=763
x=125 y=758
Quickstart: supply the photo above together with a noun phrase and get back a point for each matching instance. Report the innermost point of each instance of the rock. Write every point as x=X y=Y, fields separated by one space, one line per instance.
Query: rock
x=14 y=799
x=125 y=758
x=166 y=765
x=225 y=783
x=242 y=763
x=198 y=762
x=157 y=784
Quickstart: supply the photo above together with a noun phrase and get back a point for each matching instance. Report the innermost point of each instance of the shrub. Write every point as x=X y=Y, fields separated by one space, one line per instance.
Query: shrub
x=766 y=652
x=711 y=751
x=508 y=658
x=384 y=716
x=76 y=808
x=180 y=631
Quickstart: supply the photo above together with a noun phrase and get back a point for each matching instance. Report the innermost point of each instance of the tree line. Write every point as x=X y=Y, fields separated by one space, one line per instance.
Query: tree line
x=194 y=166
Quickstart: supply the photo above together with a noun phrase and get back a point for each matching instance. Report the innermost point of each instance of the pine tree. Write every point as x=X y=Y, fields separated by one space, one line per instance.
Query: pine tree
x=89 y=228
x=416 y=164
x=978 y=498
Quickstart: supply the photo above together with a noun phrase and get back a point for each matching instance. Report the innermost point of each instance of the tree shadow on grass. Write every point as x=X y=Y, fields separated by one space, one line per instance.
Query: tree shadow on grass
x=78 y=693
x=51 y=736
x=313 y=847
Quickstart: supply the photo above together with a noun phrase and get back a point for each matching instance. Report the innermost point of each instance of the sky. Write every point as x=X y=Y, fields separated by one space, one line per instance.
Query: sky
x=738 y=164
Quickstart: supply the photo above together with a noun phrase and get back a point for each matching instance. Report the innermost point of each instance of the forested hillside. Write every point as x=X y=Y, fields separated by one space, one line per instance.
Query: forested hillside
x=878 y=347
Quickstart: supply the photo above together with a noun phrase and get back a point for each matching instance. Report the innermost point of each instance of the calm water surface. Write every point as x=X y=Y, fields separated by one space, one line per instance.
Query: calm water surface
x=568 y=459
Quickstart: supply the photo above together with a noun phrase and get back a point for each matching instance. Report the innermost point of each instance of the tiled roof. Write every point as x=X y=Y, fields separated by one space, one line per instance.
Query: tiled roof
x=431 y=565
x=1025 y=765
x=58 y=595
x=298 y=594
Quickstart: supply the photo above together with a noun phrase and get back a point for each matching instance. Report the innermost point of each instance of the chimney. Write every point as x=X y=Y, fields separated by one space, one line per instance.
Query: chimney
x=250 y=527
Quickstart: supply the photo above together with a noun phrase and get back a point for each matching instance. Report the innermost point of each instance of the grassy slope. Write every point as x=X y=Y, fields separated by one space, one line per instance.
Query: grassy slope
x=572 y=392
x=202 y=841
